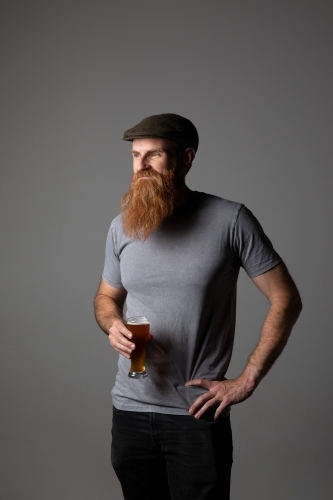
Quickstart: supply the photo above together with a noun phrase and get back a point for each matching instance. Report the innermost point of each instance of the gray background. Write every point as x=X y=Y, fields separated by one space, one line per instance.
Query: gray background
x=256 y=79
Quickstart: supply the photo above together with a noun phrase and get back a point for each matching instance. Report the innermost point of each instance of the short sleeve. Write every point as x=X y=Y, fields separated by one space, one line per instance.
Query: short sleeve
x=111 y=272
x=252 y=247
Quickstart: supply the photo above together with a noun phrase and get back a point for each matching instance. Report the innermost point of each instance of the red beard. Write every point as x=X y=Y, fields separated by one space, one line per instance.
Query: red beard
x=148 y=202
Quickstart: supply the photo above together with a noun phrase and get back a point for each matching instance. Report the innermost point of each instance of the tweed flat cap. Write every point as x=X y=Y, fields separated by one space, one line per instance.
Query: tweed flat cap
x=165 y=126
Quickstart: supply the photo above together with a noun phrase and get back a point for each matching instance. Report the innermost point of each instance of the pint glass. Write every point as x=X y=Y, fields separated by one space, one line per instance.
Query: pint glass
x=139 y=326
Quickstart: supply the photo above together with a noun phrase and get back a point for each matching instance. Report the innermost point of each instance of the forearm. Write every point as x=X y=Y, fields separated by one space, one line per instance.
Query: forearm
x=285 y=307
x=106 y=311
x=274 y=336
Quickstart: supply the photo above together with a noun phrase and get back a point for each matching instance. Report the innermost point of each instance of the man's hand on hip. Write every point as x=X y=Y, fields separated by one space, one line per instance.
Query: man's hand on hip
x=285 y=307
x=220 y=394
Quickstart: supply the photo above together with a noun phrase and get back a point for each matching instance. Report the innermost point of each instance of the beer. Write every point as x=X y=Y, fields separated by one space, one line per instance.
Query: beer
x=139 y=326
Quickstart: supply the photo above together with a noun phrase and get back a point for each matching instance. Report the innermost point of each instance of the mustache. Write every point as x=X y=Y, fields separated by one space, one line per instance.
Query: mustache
x=146 y=173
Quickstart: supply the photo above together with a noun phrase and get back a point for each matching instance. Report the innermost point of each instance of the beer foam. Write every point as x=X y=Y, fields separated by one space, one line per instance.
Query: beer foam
x=137 y=320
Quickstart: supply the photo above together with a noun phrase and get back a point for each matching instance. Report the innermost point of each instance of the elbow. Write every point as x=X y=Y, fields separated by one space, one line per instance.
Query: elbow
x=296 y=305
x=299 y=305
x=96 y=302
x=290 y=305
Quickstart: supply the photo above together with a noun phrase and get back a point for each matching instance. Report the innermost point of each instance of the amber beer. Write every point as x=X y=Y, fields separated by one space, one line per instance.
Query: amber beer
x=139 y=326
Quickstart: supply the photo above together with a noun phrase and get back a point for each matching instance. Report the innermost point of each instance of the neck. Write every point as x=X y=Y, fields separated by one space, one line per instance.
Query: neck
x=182 y=195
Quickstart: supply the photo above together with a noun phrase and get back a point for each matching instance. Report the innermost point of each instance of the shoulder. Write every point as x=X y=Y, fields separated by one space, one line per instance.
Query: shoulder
x=115 y=228
x=234 y=214
x=217 y=201
x=115 y=235
x=218 y=206
x=116 y=222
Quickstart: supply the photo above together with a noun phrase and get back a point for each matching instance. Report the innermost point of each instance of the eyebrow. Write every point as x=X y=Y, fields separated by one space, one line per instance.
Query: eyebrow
x=159 y=150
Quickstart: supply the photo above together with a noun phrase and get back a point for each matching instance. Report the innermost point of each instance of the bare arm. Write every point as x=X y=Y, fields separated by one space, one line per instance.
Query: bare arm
x=109 y=303
x=285 y=307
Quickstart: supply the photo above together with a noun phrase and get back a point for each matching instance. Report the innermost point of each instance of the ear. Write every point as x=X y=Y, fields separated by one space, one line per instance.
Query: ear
x=189 y=154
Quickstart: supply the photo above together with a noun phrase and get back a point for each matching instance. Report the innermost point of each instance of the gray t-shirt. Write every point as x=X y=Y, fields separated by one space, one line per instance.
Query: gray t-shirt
x=183 y=279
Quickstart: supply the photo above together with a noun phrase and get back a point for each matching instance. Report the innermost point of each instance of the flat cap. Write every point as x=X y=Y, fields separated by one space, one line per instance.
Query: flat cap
x=165 y=126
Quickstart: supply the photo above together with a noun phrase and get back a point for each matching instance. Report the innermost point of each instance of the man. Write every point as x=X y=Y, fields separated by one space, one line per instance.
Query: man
x=174 y=256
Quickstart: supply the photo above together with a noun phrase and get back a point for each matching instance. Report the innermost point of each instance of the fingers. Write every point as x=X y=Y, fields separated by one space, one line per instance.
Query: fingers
x=202 y=404
x=219 y=411
x=220 y=394
x=216 y=397
x=203 y=382
x=119 y=338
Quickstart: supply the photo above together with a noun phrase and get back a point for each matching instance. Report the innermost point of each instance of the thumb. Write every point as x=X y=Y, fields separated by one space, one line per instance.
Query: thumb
x=202 y=382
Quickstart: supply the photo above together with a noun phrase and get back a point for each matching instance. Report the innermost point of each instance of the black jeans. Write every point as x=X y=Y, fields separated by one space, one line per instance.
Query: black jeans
x=171 y=457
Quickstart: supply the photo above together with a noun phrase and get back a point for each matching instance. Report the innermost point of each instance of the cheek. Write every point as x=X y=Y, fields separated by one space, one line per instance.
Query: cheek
x=163 y=167
x=159 y=170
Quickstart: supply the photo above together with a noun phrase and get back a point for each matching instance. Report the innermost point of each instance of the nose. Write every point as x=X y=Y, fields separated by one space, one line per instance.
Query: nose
x=141 y=164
